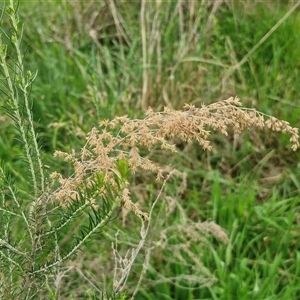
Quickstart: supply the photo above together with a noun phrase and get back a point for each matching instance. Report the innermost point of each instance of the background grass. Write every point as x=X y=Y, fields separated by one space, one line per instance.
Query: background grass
x=96 y=60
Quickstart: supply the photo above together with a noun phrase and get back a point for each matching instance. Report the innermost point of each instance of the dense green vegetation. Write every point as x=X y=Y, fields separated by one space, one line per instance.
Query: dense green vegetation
x=96 y=60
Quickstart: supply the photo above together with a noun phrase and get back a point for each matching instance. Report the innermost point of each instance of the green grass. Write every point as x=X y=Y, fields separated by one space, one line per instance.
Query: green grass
x=262 y=259
x=249 y=185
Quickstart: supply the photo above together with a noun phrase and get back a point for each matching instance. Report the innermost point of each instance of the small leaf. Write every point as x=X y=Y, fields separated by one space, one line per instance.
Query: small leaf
x=122 y=165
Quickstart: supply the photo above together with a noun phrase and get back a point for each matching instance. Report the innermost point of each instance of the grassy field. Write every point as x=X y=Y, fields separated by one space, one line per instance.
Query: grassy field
x=97 y=60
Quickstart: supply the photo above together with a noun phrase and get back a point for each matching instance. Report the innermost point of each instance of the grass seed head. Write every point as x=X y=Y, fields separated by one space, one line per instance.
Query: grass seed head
x=123 y=138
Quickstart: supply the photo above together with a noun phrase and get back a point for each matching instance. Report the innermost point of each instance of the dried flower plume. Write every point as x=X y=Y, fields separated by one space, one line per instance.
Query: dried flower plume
x=104 y=151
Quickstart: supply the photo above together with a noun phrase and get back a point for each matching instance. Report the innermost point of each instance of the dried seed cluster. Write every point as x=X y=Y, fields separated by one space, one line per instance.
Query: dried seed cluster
x=103 y=149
